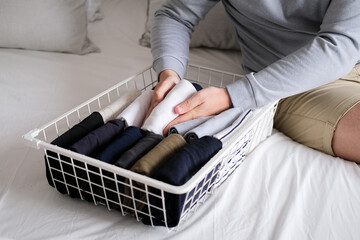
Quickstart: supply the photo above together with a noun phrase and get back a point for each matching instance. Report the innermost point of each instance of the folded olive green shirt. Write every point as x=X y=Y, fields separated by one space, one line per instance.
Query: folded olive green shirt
x=148 y=164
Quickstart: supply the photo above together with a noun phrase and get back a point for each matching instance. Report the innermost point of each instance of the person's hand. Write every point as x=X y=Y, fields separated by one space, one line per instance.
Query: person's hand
x=167 y=80
x=206 y=102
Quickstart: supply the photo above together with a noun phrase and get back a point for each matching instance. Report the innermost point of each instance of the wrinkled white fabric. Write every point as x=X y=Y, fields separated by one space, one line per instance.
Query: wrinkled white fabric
x=46 y=25
x=93 y=10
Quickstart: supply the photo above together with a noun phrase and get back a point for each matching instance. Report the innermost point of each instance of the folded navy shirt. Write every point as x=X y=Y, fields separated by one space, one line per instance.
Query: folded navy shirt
x=99 y=138
x=66 y=140
x=177 y=171
x=78 y=131
x=197 y=86
x=143 y=146
x=120 y=144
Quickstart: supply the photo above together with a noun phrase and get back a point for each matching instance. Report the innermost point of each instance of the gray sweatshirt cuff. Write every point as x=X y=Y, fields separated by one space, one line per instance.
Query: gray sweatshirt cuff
x=241 y=94
x=168 y=62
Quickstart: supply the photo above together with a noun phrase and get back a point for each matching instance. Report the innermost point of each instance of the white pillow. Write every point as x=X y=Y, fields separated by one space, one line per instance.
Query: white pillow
x=216 y=30
x=93 y=10
x=48 y=25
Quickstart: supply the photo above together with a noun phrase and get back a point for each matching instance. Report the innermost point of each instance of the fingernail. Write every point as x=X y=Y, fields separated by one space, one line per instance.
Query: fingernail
x=179 y=110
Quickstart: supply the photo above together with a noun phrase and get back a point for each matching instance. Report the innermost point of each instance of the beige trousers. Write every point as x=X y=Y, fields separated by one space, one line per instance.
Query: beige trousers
x=310 y=118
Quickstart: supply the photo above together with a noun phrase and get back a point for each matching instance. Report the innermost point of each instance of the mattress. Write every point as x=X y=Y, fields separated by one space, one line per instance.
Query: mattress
x=282 y=190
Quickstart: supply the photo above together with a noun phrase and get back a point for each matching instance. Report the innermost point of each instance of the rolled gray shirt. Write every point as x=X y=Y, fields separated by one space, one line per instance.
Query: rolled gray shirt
x=288 y=47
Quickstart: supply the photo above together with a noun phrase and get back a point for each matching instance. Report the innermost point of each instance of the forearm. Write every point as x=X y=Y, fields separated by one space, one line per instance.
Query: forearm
x=169 y=51
x=329 y=56
x=308 y=68
x=171 y=33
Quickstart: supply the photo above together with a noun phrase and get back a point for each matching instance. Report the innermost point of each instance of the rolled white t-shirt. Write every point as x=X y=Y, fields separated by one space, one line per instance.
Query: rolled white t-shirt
x=164 y=112
x=135 y=113
x=112 y=110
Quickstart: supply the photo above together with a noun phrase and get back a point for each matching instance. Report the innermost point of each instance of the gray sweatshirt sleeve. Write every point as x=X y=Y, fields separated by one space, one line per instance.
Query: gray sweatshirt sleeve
x=331 y=54
x=171 y=33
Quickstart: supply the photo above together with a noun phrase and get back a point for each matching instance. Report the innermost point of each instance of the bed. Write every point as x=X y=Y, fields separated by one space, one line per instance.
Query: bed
x=282 y=190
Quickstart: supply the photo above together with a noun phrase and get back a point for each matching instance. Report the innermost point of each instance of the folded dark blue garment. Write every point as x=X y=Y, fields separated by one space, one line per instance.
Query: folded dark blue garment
x=129 y=158
x=66 y=140
x=177 y=171
x=122 y=143
x=99 y=138
x=197 y=86
x=143 y=146
x=78 y=131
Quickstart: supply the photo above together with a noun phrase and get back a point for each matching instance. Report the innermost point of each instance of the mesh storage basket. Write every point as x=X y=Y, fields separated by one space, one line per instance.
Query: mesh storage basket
x=89 y=179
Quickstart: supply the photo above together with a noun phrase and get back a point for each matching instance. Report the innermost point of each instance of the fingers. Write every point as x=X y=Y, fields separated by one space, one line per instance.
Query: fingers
x=187 y=110
x=162 y=89
x=168 y=79
x=181 y=118
x=191 y=103
x=206 y=102
x=159 y=94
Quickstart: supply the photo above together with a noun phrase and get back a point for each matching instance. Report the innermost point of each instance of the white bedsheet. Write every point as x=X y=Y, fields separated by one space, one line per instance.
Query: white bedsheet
x=283 y=190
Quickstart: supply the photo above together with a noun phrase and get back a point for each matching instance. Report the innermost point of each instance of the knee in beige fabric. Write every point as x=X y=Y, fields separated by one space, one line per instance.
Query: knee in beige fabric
x=346 y=140
x=311 y=118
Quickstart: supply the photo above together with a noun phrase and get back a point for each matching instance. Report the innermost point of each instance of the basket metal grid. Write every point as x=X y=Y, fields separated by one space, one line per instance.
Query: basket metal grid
x=92 y=180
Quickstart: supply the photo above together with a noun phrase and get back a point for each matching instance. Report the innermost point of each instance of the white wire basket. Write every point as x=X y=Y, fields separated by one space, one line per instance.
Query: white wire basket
x=89 y=179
